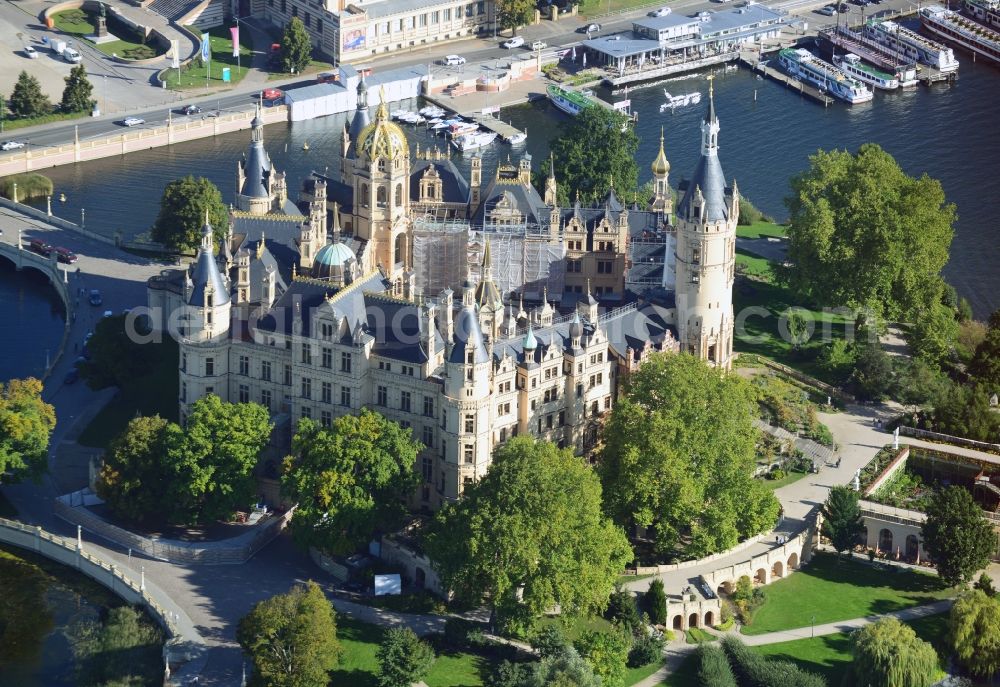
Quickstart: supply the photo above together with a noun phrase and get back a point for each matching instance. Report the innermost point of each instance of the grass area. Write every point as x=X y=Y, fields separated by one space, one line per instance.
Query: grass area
x=76 y=22
x=625 y=579
x=827 y=590
x=634 y=675
x=686 y=674
x=196 y=74
x=24 y=122
x=590 y=8
x=136 y=399
x=790 y=477
x=760 y=230
x=696 y=635
x=754 y=265
x=314 y=67
x=578 y=627
x=357 y=664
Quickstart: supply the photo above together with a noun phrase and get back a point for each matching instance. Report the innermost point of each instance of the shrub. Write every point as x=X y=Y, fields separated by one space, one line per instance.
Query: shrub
x=403 y=658
x=753 y=670
x=776 y=474
x=656 y=602
x=622 y=608
x=749 y=213
x=985 y=585
x=460 y=633
x=29 y=185
x=747 y=599
x=550 y=640
x=646 y=648
x=713 y=668
x=607 y=653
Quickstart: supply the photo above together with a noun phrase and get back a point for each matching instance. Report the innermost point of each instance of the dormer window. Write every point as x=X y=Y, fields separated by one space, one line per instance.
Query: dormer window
x=208 y=300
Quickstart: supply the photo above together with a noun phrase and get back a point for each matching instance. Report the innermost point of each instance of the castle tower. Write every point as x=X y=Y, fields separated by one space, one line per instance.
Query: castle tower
x=488 y=298
x=312 y=235
x=256 y=189
x=476 y=180
x=662 y=200
x=706 y=253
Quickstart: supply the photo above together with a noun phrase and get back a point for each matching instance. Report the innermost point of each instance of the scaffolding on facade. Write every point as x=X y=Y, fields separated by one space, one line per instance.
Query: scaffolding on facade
x=440 y=254
x=522 y=262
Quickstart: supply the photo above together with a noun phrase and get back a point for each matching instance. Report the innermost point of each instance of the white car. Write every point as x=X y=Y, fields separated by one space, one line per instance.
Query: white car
x=72 y=56
x=133 y=121
x=30 y=52
x=828 y=11
x=515 y=42
x=454 y=60
x=11 y=145
x=539 y=45
x=662 y=12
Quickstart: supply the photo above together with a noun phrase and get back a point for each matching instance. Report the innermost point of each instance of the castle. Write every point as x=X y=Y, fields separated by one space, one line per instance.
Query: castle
x=328 y=310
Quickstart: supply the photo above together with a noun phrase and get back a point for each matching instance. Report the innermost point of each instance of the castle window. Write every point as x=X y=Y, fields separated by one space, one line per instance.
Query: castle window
x=345 y=362
x=469 y=455
x=326 y=392
x=382 y=397
x=427 y=468
x=208 y=300
x=306 y=354
x=244 y=393
x=288 y=375
x=470 y=424
x=327 y=361
x=399 y=195
x=326 y=418
x=209 y=367
x=363 y=201
x=429 y=406
x=265 y=370
x=345 y=396
x=562 y=418
x=548 y=421
x=265 y=399
x=404 y=401
x=428 y=436
x=307 y=387
x=184 y=362
x=381 y=164
x=381 y=197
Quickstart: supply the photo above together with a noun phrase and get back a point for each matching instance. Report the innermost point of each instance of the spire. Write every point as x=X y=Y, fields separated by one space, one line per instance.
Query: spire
x=206 y=235
x=336 y=222
x=710 y=115
x=530 y=343
x=257 y=126
x=261 y=246
x=362 y=93
x=552 y=166
x=661 y=166
x=487 y=264
x=382 y=113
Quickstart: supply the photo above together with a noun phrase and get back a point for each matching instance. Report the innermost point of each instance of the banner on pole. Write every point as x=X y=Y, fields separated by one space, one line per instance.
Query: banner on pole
x=175 y=53
x=206 y=48
x=235 y=33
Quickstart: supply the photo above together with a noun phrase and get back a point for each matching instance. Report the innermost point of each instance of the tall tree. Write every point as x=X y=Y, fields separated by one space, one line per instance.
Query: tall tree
x=974 y=627
x=679 y=458
x=607 y=653
x=403 y=658
x=888 y=653
x=115 y=358
x=514 y=13
x=350 y=480
x=957 y=536
x=291 y=639
x=77 y=96
x=182 y=213
x=26 y=421
x=27 y=100
x=985 y=364
x=842 y=523
x=595 y=151
x=872 y=377
x=864 y=234
x=533 y=524
x=136 y=471
x=934 y=333
x=222 y=442
x=296 y=47
x=656 y=602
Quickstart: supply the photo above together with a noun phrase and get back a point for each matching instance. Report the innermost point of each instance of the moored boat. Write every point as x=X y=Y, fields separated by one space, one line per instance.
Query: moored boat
x=806 y=67
x=570 y=102
x=852 y=65
x=912 y=45
x=954 y=28
x=474 y=141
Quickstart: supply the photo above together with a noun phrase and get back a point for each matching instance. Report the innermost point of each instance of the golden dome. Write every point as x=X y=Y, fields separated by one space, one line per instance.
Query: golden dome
x=660 y=165
x=383 y=137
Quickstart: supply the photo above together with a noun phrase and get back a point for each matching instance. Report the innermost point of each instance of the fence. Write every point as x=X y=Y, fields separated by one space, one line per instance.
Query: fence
x=234 y=551
x=182 y=647
x=802 y=377
x=949 y=439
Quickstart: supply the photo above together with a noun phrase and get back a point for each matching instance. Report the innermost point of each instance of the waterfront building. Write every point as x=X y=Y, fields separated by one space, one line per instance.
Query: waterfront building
x=325 y=314
x=346 y=31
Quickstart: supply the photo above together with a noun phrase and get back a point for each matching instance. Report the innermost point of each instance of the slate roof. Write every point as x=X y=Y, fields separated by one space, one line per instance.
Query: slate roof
x=708 y=176
x=257 y=172
x=454 y=186
x=401 y=341
x=349 y=302
x=467 y=335
x=205 y=272
x=525 y=199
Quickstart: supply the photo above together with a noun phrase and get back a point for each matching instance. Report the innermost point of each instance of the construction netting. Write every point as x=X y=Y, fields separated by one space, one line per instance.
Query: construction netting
x=522 y=262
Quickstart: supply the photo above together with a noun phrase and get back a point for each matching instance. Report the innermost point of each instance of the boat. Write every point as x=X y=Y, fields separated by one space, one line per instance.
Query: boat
x=518 y=138
x=806 y=67
x=62 y=197
x=461 y=129
x=440 y=125
x=912 y=45
x=305 y=145
x=882 y=57
x=954 y=28
x=570 y=102
x=852 y=65
x=679 y=100
x=474 y=141
x=985 y=12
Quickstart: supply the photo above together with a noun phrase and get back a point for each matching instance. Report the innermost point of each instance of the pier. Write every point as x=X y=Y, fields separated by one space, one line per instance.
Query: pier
x=752 y=60
x=497 y=126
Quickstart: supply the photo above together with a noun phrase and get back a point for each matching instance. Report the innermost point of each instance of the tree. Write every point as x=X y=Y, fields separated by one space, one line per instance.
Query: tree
x=842 y=523
x=296 y=47
x=27 y=100
x=222 y=442
x=957 y=536
x=76 y=96
x=550 y=640
x=872 y=377
x=26 y=421
x=137 y=470
x=864 y=234
x=934 y=333
x=888 y=653
x=182 y=213
x=656 y=602
x=965 y=412
x=607 y=654
x=291 y=638
x=985 y=585
x=985 y=364
x=514 y=13
x=679 y=458
x=713 y=667
x=595 y=152
x=403 y=658
x=115 y=359
x=350 y=480
x=918 y=383
x=974 y=627
x=532 y=524
x=125 y=649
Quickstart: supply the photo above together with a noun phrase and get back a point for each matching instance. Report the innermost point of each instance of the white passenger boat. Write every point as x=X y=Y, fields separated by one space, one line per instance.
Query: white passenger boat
x=808 y=68
x=912 y=45
x=474 y=141
x=852 y=65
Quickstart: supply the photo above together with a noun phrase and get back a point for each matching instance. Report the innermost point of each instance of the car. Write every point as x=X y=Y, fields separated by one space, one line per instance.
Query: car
x=589 y=28
x=30 y=52
x=95 y=297
x=539 y=45
x=191 y=110
x=11 y=145
x=272 y=94
x=662 y=12
x=133 y=121
x=41 y=247
x=515 y=42
x=454 y=60
x=828 y=11
x=64 y=255
x=71 y=376
x=72 y=56
x=108 y=313
x=328 y=77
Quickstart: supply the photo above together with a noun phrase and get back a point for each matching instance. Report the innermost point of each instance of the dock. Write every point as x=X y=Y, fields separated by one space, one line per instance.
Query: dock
x=497 y=126
x=752 y=60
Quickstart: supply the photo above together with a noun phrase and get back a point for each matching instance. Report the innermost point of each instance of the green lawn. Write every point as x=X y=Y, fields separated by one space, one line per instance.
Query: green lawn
x=194 y=75
x=754 y=265
x=314 y=67
x=827 y=590
x=20 y=123
x=590 y=8
x=625 y=579
x=77 y=23
x=634 y=675
x=789 y=478
x=696 y=635
x=760 y=230
x=686 y=674
x=136 y=399
x=357 y=665
x=578 y=626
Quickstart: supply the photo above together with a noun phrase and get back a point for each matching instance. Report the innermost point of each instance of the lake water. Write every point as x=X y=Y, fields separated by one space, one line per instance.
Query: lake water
x=768 y=132
x=33 y=321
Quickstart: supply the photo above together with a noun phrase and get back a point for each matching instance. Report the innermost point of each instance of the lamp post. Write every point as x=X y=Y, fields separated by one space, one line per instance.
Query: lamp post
x=83 y=218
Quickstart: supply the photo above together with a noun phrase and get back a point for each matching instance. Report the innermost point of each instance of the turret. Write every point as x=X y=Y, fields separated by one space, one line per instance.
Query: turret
x=476 y=180
x=662 y=200
x=207 y=295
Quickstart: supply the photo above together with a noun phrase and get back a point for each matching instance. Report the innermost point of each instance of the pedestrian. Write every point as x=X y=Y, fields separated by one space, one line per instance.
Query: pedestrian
x=777 y=539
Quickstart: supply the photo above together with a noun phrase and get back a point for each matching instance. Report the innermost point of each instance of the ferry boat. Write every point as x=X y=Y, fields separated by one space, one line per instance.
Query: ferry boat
x=961 y=31
x=673 y=101
x=880 y=56
x=852 y=65
x=984 y=11
x=805 y=66
x=570 y=102
x=912 y=45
